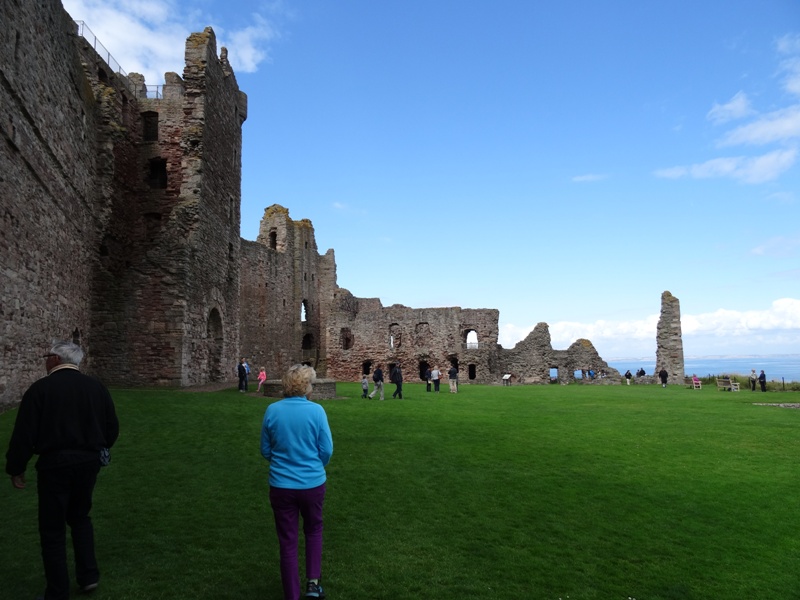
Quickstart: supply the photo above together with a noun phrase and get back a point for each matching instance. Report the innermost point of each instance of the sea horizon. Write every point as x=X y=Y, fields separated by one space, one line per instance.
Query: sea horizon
x=777 y=367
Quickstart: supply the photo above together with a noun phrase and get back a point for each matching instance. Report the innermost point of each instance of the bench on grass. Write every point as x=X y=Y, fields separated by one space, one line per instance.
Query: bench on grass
x=727 y=384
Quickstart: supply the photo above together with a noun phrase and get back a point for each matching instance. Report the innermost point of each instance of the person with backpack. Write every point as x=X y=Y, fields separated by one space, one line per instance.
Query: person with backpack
x=377 y=379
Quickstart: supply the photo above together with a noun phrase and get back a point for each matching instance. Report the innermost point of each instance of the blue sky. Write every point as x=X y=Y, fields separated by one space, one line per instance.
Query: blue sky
x=563 y=162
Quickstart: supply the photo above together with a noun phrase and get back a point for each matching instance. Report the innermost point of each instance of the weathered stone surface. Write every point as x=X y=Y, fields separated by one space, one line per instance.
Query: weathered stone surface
x=324 y=389
x=669 y=340
x=120 y=213
x=120 y=230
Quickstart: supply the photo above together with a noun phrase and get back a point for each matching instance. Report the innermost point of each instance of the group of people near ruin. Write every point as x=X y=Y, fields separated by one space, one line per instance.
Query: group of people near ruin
x=243 y=372
x=432 y=379
x=70 y=421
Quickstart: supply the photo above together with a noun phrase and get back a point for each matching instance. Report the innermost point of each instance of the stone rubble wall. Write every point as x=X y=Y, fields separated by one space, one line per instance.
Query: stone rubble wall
x=121 y=220
x=142 y=271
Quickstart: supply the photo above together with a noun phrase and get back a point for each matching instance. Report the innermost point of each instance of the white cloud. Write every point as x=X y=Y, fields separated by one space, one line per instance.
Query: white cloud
x=737 y=107
x=589 y=177
x=776 y=328
x=747 y=169
x=777 y=126
x=149 y=36
x=780 y=246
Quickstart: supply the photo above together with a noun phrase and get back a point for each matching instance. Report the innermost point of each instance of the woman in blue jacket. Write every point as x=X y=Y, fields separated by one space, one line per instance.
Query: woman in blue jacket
x=296 y=440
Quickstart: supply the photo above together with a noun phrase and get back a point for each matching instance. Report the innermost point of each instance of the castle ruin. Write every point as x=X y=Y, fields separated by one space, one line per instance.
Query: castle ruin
x=121 y=221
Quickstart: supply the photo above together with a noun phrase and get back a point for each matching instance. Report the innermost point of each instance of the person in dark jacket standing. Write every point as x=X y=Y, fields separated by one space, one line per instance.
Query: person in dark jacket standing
x=66 y=418
x=762 y=381
x=397 y=379
x=663 y=375
x=241 y=371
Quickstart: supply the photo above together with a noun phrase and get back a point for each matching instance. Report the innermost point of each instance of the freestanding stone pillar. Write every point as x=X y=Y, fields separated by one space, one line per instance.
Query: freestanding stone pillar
x=669 y=343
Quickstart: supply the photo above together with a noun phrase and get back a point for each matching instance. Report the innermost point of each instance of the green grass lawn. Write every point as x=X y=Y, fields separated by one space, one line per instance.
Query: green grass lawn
x=536 y=492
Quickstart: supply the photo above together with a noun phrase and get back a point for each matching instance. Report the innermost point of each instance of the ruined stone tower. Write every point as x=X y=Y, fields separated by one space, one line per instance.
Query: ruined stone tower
x=120 y=208
x=669 y=343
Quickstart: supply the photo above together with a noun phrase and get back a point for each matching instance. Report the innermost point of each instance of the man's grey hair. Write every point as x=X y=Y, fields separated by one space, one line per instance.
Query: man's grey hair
x=69 y=352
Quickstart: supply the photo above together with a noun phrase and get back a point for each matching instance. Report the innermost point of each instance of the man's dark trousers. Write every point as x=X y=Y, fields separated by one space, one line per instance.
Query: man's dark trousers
x=65 y=497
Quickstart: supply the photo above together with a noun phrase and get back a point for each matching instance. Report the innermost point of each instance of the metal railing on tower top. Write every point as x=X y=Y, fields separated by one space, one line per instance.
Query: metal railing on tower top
x=152 y=91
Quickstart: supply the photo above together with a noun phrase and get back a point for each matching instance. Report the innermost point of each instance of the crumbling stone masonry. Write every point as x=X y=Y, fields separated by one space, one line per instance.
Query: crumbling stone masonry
x=120 y=212
x=669 y=340
x=120 y=230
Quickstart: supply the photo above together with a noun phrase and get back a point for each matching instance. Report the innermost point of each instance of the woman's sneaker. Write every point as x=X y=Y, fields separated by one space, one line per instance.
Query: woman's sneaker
x=314 y=590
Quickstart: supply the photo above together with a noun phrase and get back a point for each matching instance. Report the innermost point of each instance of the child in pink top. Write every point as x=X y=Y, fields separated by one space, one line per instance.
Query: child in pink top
x=262 y=377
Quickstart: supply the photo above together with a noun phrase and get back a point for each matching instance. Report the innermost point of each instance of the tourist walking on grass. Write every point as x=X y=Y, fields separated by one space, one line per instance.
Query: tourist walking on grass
x=396 y=378
x=628 y=376
x=377 y=380
x=662 y=375
x=762 y=381
x=364 y=385
x=452 y=375
x=69 y=420
x=428 y=379
x=753 y=380
x=296 y=440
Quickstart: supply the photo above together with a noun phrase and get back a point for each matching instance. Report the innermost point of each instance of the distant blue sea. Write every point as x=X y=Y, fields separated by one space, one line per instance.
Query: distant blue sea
x=776 y=366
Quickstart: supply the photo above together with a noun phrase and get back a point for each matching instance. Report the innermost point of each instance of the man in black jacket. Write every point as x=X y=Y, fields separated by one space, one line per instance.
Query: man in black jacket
x=397 y=379
x=66 y=418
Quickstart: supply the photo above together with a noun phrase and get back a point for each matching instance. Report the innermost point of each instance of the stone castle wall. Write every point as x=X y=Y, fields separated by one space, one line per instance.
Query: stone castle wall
x=52 y=218
x=362 y=334
x=121 y=219
x=286 y=289
x=120 y=213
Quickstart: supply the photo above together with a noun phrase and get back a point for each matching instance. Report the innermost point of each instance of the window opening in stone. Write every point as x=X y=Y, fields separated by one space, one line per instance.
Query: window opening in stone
x=578 y=374
x=76 y=336
x=391 y=341
x=305 y=276
x=304 y=311
x=306 y=245
x=150 y=126
x=471 y=371
x=366 y=367
x=346 y=338
x=453 y=361
x=395 y=335
x=471 y=339
x=553 y=375
x=102 y=76
x=157 y=174
x=308 y=342
x=273 y=239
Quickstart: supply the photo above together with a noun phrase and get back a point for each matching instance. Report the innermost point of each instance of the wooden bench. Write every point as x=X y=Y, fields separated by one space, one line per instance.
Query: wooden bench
x=727 y=385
